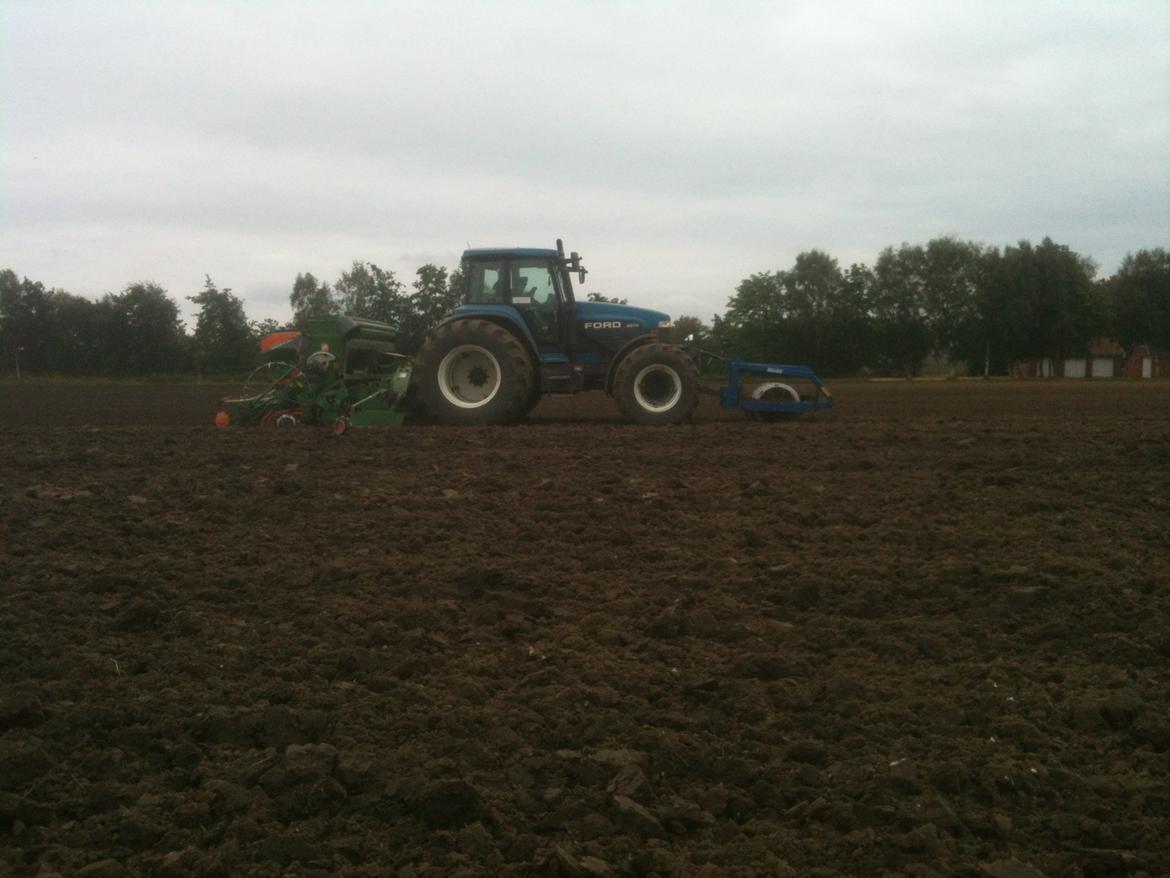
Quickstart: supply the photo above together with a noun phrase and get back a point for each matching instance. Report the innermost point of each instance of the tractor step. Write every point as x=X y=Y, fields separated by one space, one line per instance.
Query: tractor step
x=561 y=378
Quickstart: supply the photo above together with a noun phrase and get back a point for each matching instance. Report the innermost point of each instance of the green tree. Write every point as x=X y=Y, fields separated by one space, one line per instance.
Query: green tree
x=261 y=328
x=951 y=271
x=851 y=337
x=690 y=327
x=1139 y=297
x=899 y=307
x=434 y=296
x=78 y=334
x=25 y=324
x=371 y=292
x=752 y=324
x=310 y=298
x=1038 y=301
x=717 y=340
x=143 y=331
x=812 y=313
x=223 y=340
x=811 y=289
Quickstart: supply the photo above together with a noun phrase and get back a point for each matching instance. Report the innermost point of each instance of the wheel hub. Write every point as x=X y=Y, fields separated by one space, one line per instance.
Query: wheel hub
x=658 y=388
x=469 y=376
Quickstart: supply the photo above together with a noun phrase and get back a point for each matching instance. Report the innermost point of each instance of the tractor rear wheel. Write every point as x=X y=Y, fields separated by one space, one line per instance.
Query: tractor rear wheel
x=474 y=372
x=657 y=384
x=534 y=397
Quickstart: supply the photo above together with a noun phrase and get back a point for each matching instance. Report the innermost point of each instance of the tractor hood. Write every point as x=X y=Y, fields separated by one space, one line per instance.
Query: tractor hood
x=604 y=311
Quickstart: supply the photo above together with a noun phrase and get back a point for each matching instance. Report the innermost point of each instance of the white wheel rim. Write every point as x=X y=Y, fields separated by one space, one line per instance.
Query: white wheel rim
x=658 y=388
x=469 y=376
x=764 y=392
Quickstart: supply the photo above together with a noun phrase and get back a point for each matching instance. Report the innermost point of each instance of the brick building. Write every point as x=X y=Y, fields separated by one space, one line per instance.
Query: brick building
x=1106 y=358
x=1144 y=362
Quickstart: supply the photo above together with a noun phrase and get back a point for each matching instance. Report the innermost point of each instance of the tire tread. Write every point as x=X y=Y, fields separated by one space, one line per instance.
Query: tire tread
x=485 y=333
x=674 y=357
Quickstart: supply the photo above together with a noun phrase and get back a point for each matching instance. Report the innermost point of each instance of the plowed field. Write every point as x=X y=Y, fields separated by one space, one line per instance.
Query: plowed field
x=926 y=633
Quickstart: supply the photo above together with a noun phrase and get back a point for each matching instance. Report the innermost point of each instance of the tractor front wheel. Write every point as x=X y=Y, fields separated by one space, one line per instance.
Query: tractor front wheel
x=657 y=384
x=474 y=372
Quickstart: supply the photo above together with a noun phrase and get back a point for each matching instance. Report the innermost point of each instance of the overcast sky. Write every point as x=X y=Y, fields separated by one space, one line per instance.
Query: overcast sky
x=679 y=146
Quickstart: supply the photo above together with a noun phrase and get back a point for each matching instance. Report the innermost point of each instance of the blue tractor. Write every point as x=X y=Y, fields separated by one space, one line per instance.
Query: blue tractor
x=521 y=333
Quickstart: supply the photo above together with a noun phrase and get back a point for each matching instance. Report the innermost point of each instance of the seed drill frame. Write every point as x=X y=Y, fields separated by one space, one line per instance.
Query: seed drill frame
x=342 y=371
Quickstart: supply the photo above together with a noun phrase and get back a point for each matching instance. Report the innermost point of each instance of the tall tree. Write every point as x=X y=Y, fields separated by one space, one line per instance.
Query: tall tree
x=1139 y=297
x=951 y=271
x=851 y=336
x=223 y=340
x=310 y=298
x=144 y=332
x=812 y=313
x=752 y=324
x=78 y=336
x=1038 y=301
x=717 y=339
x=899 y=304
x=434 y=296
x=25 y=324
x=811 y=292
x=371 y=292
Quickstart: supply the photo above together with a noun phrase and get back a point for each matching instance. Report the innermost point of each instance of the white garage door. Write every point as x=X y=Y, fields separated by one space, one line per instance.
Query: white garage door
x=1074 y=368
x=1102 y=367
x=1147 y=367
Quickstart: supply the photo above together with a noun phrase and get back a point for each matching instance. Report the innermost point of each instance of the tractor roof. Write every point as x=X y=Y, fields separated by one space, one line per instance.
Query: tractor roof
x=505 y=252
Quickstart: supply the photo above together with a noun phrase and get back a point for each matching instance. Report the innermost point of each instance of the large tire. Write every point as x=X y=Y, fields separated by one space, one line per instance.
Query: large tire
x=657 y=384
x=473 y=372
x=534 y=398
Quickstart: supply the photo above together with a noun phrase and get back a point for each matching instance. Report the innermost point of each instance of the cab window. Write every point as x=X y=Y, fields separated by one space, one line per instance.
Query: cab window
x=534 y=295
x=486 y=284
x=533 y=280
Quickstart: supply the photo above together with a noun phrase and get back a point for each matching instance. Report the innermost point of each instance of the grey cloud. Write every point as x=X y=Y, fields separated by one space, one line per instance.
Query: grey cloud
x=680 y=146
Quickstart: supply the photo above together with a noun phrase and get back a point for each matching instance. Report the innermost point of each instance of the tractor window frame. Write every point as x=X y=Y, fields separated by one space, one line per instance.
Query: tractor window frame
x=548 y=322
x=504 y=279
x=527 y=263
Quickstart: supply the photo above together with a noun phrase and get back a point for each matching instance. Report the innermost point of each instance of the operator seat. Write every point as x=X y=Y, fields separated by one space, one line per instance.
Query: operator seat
x=497 y=292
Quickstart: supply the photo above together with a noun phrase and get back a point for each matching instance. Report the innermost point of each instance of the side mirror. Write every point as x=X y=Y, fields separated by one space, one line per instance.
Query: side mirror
x=575 y=265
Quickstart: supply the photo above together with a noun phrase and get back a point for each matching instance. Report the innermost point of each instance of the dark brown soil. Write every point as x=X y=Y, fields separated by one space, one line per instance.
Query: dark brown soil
x=927 y=634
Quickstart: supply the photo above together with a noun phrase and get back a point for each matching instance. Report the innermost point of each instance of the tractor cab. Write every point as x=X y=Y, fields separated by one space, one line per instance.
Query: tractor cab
x=524 y=283
x=530 y=292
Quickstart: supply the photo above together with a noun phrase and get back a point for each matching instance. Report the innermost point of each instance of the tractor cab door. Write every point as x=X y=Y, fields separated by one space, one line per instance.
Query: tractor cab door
x=534 y=289
x=487 y=283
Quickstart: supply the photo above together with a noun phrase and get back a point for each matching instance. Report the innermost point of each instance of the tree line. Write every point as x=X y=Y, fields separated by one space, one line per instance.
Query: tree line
x=140 y=331
x=959 y=301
